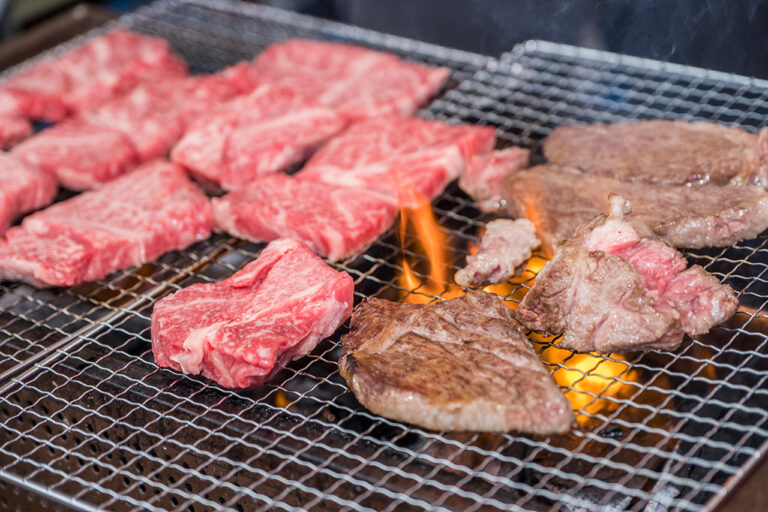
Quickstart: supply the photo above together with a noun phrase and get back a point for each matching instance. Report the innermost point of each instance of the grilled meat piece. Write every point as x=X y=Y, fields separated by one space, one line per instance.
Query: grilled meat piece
x=666 y=152
x=557 y=200
x=505 y=245
x=464 y=364
x=613 y=288
x=483 y=177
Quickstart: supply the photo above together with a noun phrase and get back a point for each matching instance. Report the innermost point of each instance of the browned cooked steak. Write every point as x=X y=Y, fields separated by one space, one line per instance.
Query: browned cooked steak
x=667 y=152
x=557 y=200
x=506 y=244
x=613 y=289
x=458 y=365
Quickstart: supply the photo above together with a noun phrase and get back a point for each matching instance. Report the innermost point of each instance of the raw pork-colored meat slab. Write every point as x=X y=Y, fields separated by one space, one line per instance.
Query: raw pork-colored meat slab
x=357 y=82
x=91 y=73
x=80 y=154
x=261 y=133
x=241 y=331
x=335 y=222
x=409 y=159
x=22 y=189
x=127 y=222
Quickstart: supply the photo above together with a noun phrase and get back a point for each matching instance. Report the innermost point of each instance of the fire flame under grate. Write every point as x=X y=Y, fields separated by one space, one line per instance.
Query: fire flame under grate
x=89 y=421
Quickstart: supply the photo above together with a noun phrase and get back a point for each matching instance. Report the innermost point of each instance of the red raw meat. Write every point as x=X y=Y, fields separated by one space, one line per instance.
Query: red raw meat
x=241 y=331
x=410 y=159
x=335 y=222
x=261 y=133
x=13 y=128
x=91 y=73
x=357 y=82
x=22 y=189
x=127 y=222
x=79 y=153
x=483 y=178
x=155 y=115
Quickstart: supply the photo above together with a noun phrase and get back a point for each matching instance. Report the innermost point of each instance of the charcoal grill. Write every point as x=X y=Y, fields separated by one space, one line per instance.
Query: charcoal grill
x=90 y=422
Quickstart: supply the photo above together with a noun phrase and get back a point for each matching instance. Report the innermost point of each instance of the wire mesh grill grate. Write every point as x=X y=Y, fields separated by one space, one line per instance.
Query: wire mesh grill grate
x=94 y=423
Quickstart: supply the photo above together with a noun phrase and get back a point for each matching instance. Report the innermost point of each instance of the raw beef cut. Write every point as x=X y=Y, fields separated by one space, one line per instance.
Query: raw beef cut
x=22 y=189
x=463 y=364
x=80 y=154
x=408 y=159
x=155 y=115
x=335 y=222
x=91 y=73
x=357 y=82
x=241 y=331
x=613 y=289
x=483 y=178
x=129 y=221
x=557 y=200
x=261 y=133
x=13 y=126
x=665 y=152
x=506 y=245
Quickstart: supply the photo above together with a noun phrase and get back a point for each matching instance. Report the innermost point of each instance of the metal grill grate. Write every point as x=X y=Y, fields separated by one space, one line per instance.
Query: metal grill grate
x=91 y=422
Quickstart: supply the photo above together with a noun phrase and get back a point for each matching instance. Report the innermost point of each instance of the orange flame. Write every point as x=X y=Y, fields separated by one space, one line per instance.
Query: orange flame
x=435 y=247
x=594 y=382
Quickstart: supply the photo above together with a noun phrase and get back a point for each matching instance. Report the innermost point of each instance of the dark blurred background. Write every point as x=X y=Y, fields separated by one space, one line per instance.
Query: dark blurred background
x=727 y=35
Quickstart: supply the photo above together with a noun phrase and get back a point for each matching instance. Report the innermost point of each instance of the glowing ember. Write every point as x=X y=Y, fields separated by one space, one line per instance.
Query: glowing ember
x=594 y=382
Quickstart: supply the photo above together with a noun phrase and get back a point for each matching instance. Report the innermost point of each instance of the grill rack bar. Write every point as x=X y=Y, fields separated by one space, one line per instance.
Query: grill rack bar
x=693 y=419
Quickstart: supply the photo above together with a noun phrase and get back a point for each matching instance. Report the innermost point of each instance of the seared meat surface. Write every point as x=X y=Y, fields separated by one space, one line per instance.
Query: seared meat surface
x=505 y=245
x=557 y=200
x=613 y=288
x=458 y=365
x=666 y=152
x=484 y=175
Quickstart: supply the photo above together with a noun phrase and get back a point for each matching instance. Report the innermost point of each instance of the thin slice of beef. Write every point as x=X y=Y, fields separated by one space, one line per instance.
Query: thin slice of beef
x=90 y=74
x=665 y=152
x=127 y=222
x=458 y=365
x=557 y=200
x=336 y=222
x=261 y=133
x=80 y=154
x=409 y=159
x=242 y=330
x=22 y=189
x=506 y=244
x=483 y=178
x=614 y=288
x=357 y=82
